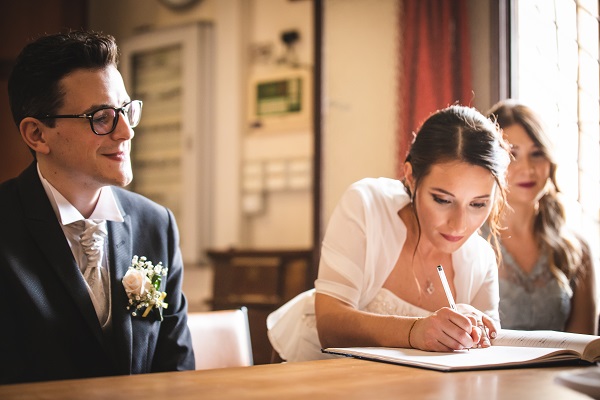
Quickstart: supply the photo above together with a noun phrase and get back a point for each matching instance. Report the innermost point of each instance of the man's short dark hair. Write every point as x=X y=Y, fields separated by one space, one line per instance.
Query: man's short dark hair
x=33 y=85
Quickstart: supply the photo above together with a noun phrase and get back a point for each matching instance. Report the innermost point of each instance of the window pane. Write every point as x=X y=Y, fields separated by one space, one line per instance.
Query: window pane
x=556 y=72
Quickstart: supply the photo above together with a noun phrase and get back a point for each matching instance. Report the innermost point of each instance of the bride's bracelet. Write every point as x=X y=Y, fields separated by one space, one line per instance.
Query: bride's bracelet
x=410 y=331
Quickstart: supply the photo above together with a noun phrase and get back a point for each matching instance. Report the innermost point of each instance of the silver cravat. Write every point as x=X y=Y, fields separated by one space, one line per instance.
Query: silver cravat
x=92 y=240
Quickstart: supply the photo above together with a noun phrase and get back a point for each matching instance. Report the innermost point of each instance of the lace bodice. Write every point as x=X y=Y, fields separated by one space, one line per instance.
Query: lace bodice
x=531 y=301
x=387 y=303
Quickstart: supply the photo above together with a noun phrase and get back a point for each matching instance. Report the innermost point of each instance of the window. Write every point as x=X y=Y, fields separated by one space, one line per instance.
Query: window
x=555 y=69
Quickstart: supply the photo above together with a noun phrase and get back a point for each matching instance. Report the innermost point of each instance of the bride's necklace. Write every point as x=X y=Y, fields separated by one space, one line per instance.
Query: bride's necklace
x=429 y=287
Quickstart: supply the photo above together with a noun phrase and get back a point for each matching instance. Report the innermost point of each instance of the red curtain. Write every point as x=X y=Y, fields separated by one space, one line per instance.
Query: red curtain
x=435 y=63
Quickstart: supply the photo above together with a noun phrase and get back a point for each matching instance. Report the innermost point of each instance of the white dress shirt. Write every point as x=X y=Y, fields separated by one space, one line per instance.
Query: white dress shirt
x=106 y=209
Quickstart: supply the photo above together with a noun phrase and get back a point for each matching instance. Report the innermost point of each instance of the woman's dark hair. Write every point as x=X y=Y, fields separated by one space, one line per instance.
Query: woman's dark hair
x=566 y=251
x=34 y=83
x=459 y=133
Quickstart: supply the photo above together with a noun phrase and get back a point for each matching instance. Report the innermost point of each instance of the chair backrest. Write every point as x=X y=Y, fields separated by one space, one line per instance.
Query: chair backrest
x=221 y=338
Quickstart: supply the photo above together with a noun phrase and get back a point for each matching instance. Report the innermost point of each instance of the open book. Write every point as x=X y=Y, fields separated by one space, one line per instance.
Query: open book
x=512 y=348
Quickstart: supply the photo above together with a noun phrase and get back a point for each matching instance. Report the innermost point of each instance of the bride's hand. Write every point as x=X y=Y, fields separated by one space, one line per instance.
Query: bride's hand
x=483 y=327
x=444 y=330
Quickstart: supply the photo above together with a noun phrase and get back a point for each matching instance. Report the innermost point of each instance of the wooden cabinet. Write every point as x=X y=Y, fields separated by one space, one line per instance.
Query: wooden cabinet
x=261 y=280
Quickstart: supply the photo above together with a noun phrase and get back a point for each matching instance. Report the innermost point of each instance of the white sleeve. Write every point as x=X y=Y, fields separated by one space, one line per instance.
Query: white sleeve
x=343 y=252
x=487 y=298
x=476 y=276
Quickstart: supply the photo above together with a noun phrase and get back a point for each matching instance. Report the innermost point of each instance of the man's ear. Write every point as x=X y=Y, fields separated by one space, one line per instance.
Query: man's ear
x=32 y=132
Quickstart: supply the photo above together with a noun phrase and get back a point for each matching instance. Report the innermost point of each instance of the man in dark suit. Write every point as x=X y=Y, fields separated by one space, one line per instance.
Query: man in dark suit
x=73 y=111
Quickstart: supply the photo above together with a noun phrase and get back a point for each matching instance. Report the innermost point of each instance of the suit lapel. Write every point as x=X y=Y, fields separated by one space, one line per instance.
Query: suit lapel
x=47 y=234
x=121 y=254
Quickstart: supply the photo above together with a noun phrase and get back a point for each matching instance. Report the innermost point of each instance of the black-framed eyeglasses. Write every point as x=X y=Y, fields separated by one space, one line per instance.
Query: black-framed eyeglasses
x=104 y=120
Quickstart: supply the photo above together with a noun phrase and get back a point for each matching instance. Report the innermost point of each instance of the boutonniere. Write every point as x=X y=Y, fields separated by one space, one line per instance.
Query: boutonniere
x=142 y=284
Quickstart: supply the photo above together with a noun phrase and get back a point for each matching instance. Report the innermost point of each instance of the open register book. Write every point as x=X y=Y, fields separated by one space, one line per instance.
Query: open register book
x=512 y=348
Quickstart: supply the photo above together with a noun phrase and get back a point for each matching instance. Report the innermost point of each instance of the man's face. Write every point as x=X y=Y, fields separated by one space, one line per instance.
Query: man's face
x=78 y=160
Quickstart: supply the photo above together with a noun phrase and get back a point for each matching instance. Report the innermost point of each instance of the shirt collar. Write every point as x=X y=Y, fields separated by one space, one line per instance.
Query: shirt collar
x=106 y=208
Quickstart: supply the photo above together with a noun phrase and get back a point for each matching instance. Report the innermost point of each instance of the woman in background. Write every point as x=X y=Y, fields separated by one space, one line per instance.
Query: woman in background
x=546 y=276
x=378 y=283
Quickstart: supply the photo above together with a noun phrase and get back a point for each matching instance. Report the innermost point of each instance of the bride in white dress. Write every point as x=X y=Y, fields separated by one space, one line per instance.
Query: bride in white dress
x=378 y=283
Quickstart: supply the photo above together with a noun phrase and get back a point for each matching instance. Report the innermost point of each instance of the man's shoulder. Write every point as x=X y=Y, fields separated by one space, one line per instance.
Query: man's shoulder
x=8 y=185
x=27 y=181
x=9 y=201
x=135 y=202
x=128 y=196
x=9 y=190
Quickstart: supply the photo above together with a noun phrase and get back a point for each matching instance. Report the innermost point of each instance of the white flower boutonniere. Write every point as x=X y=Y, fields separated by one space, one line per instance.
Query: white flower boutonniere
x=142 y=284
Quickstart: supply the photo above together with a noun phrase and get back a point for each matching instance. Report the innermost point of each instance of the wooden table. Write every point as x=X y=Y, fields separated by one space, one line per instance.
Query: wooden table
x=327 y=379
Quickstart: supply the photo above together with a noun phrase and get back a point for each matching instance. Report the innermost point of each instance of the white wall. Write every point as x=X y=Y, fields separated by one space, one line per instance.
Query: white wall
x=285 y=220
x=359 y=117
x=123 y=18
x=360 y=88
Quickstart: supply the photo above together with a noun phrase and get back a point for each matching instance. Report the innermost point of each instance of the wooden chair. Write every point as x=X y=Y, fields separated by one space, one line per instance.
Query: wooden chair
x=221 y=338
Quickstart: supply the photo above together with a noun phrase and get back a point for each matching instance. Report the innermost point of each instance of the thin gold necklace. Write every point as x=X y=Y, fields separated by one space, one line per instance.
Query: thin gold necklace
x=429 y=287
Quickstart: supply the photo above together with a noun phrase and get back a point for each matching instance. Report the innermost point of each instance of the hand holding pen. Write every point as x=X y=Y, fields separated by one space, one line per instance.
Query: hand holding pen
x=484 y=340
x=457 y=327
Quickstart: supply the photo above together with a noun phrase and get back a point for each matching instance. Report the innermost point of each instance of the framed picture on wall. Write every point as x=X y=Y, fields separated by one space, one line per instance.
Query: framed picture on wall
x=280 y=101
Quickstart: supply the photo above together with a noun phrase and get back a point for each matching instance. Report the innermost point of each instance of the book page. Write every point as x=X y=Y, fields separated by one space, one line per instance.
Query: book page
x=553 y=339
x=495 y=356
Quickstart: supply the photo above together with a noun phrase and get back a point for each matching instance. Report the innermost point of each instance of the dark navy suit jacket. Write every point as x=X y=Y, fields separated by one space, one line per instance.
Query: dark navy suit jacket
x=48 y=326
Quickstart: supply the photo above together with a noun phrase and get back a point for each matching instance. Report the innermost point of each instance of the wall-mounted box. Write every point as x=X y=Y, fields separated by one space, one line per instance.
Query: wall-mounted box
x=280 y=101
